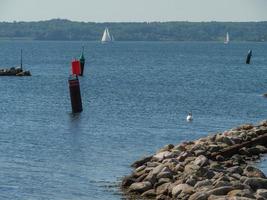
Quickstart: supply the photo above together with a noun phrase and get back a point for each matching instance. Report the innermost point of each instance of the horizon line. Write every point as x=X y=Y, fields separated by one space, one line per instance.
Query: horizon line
x=110 y=22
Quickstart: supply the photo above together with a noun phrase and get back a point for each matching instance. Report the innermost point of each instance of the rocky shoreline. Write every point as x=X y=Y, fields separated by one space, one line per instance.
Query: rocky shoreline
x=219 y=166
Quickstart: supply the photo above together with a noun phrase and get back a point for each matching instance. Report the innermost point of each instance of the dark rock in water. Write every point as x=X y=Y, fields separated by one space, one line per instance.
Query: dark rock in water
x=251 y=171
x=140 y=162
x=14 y=72
x=127 y=181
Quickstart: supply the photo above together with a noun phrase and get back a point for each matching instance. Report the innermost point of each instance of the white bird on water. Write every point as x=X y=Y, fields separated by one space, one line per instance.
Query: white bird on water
x=189 y=117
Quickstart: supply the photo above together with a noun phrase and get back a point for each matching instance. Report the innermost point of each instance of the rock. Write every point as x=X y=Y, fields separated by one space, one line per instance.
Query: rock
x=140 y=162
x=262 y=193
x=213 y=197
x=251 y=171
x=167 y=147
x=142 y=167
x=241 y=193
x=163 y=155
x=167 y=174
x=256 y=183
x=163 y=189
x=149 y=194
x=163 y=197
x=163 y=180
x=221 y=190
x=221 y=184
x=201 y=161
x=181 y=188
x=244 y=127
x=152 y=164
x=214 y=148
x=191 y=181
x=191 y=168
x=220 y=158
x=235 y=169
x=254 y=151
x=228 y=141
x=127 y=181
x=199 y=196
x=203 y=183
x=141 y=177
x=261 y=148
x=140 y=187
x=199 y=152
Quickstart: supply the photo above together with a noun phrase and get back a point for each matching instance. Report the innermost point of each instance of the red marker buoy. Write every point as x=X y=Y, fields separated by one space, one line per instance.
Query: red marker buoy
x=75 y=66
x=75 y=94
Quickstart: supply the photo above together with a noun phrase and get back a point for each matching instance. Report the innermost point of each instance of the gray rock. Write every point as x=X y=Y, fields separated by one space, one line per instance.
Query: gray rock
x=166 y=174
x=149 y=194
x=140 y=162
x=221 y=190
x=201 y=161
x=221 y=184
x=235 y=169
x=182 y=188
x=167 y=147
x=199 y=196
x=162 y=155
x=127 y=181
x=213 y=197
x=241 y=193
x=163 y=189
x=140 y=187
x=256 y=183
x=203 y=183
x=262 y=193
x=251 y=171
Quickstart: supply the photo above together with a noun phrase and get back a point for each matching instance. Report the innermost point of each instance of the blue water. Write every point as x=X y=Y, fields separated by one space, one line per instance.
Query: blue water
x=136 y=96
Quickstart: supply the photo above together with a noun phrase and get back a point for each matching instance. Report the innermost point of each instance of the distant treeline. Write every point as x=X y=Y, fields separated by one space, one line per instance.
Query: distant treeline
x=58 y=29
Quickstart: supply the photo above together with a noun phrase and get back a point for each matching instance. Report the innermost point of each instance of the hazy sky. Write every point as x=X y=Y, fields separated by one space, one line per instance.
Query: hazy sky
x=134 y=10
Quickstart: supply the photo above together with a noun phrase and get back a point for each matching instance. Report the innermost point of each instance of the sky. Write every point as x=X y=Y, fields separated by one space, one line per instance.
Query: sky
x=134 y=10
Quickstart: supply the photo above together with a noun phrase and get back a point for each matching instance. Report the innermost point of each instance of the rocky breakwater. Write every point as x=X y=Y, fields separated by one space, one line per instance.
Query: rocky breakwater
x=219 y=166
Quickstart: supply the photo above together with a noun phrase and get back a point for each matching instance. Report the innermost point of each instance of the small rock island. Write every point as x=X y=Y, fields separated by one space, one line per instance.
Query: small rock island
x=220 y=166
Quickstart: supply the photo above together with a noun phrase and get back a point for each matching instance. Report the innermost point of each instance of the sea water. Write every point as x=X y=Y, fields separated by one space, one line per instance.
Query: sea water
x=136 y=96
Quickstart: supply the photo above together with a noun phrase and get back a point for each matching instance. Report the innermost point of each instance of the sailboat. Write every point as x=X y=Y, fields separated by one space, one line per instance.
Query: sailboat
x=106 y=36
x=227 y=39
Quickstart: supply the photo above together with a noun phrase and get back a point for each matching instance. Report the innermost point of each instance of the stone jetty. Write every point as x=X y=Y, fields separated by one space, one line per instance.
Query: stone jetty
x=220 y=166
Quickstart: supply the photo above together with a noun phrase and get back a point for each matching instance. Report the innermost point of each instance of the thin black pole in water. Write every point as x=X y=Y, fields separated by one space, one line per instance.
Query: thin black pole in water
x=249 y=56
x=21 y=59
x=75 y=94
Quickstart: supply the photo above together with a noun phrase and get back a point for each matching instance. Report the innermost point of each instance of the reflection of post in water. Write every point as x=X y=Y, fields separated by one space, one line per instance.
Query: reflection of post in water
x=75 y=94
x=249 y=56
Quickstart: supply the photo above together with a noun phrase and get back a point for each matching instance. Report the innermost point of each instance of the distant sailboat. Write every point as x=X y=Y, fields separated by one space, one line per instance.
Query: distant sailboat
x=227 y=38
x=106 y=36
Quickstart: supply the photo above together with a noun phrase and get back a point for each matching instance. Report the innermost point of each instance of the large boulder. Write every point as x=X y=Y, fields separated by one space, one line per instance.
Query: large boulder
x=140 y=187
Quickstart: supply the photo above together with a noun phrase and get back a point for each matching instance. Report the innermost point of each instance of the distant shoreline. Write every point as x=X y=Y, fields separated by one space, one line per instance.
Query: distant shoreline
x=65 y=30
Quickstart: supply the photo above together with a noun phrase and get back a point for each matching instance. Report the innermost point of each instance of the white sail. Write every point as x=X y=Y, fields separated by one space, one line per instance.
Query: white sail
x=106 y=36
x=227 y=39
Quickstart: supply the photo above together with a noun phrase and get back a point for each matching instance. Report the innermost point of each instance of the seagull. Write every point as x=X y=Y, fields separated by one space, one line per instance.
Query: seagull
x=189 y=117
